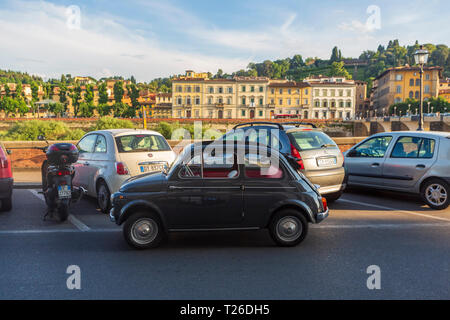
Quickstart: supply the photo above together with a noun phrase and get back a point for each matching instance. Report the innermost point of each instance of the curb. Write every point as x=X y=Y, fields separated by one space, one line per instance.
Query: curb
x=27 y=185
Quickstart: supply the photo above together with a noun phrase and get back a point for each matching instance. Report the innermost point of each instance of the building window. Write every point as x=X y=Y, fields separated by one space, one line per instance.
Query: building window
x=325 y=104
x=197 y=100
x=243 y=101
x=197 y=89
x=306 y=91
x=280 y=102
x=220 y=101
x=349 y=93
x=288 y=102
x=316 y=92
x=297 y=102
x=179 y=89
x=399 y=89
x=411 y=94
x=306 y=101
x=211 y=90
x=324 y=92
x=220 y=90
x=416 y=95
x=211 y=114
x=324 y=114
x=417 y=82
x=348 y=115
x=243 y=88
x=349 y=104
x=317 y=103
x=261 y=89
x=228 y=100
x=188 y=89
x=427 y=89
x=261 y=101
x=289 y=91
x=341 y=93
x=332 y=92
x=427 y=77
x=397 y=100
x=411 y=82
x=272 y=91
x=229 y=114
x=252 y=89
x=243 y=113
x=398 y=77
x=197 y=114
x=316 y=115
x=260 y=113
x=281 y=91
x=188 y=100
x=210 y=100
x=272 y=101
x=230 y=89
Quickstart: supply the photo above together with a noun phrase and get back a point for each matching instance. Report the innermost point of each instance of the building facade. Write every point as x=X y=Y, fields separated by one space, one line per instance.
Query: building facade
x=398 y=84
x=332 y=97
x=290 y=98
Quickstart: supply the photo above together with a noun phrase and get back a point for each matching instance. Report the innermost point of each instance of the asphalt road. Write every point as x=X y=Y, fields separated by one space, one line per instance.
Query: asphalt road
x=408 y=241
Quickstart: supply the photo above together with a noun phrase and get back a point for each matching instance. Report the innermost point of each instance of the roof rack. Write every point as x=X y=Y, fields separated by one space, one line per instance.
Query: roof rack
x=259 y=122
x=298 y=123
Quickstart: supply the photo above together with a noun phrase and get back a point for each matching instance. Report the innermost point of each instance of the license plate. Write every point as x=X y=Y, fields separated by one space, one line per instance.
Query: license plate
x=326 y=162
x=64 y=192
x=152 y=168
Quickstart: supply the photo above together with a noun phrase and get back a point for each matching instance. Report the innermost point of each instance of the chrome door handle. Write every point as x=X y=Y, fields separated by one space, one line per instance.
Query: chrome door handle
x=420 y=166
x=375 y=164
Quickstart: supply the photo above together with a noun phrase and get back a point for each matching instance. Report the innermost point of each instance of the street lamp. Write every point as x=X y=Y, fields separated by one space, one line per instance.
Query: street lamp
x=409 y=109
x=421 y=58
x=428 y=109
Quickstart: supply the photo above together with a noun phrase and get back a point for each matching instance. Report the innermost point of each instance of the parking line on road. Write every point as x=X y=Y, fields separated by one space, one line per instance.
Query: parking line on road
x=75 y=221
x=393 y=209
x=56 y=231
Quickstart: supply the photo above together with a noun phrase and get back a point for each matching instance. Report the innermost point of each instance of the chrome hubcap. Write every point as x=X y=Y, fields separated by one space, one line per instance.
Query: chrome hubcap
x=144 y=231
x=436 y=194
x=289 y=228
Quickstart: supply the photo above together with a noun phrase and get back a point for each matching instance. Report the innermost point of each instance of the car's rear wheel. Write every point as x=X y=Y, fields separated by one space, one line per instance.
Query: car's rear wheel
x=6 y=204
x=333 y=196
x=143 y=230
x=288 y=228
x=103 y=197
x=436 y=194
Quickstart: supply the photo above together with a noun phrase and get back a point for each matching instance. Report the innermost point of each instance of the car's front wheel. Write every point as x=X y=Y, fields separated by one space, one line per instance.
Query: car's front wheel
x=436 y=194
x=288 y=228
x=103 y=197
x=143 y=230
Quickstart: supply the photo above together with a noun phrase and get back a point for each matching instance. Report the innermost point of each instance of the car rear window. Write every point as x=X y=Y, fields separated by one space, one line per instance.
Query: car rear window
x=141 y=143
x=309 y=140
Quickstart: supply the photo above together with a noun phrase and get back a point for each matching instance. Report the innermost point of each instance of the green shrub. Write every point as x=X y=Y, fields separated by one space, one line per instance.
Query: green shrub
x=52 y=130
x=112 y=123
x=167 y=129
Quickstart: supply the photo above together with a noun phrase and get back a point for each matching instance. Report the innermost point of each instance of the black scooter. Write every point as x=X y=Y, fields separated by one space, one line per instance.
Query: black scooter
x=57 y=175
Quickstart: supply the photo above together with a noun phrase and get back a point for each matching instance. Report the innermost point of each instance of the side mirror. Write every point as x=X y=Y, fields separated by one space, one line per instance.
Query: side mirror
x=351 y=153
x=41 y=137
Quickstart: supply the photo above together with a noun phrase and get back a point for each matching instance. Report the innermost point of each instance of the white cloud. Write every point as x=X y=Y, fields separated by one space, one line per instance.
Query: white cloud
x=38 y=41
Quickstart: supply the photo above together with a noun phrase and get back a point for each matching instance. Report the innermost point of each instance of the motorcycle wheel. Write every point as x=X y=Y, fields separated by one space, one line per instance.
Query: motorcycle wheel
x=63 y=211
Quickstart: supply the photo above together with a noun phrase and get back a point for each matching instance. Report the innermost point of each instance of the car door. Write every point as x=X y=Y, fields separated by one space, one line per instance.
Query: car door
x=265 y=184
x=85 y=149
x=364 y=163
x=98 y=164
x=204 y=197
x=410 y=158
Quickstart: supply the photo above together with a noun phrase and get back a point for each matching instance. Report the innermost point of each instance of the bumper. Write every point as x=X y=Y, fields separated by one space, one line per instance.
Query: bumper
x=322 y=216
x=6 y=187
x=330 y=181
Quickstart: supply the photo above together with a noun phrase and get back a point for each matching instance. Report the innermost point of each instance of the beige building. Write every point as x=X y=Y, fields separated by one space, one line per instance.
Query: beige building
x=195 y=96
x=332 y=97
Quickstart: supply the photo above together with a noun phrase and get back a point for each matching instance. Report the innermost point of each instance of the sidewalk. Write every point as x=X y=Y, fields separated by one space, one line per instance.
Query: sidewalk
x=27 y=178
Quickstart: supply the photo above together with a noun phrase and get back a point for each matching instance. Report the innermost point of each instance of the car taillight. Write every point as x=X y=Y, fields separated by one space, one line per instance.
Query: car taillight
x=63 y=173
x=324 y=203
x=298 y=158
x=121 y=168
x=5 y=168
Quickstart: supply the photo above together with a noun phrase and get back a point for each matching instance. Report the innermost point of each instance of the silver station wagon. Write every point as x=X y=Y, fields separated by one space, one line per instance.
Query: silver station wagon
x=409 y=161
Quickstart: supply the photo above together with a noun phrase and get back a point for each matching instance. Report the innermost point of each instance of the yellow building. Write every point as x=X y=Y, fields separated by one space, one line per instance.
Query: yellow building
x=290 y=98
x=444 y=89
x=163 y=106
x=398 y=84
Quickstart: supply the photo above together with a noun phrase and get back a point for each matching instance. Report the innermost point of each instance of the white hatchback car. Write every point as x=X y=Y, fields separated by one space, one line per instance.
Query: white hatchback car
x=109 y=157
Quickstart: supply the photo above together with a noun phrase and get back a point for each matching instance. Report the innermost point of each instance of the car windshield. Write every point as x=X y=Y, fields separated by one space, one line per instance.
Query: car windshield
x=309 y=140
x=141 y=143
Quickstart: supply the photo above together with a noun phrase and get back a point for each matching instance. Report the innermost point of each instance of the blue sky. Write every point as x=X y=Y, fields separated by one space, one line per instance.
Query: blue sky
x=152 y=38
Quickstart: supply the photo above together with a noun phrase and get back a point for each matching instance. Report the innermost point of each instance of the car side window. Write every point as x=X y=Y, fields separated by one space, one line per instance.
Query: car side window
x=259 y=167
x=413 y=147
x=223 y=166
x=191 y=169
x=86 y=145
x=100 y=144
x=373 y=148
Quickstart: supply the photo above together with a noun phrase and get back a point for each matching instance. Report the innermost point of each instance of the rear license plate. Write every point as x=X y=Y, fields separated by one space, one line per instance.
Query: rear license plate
x=64 y=192
x=152 y=168
x=326 y=162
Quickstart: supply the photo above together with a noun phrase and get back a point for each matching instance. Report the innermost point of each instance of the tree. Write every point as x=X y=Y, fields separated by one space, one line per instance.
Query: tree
x=133 y=80
x=89 y=95
x=76 y=100
x=57 y=108
x=337 y=69
x=296 y=62
x=334 y=55
x=34 y=91
x=102 y=93
x=118 y=91
x=86 y=110
x=104 y=109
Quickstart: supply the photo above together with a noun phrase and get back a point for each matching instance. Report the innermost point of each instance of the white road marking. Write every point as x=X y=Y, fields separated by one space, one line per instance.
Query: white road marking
x=392 y=209
x=75 y=221
x=56 y=231
x=380 y=226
